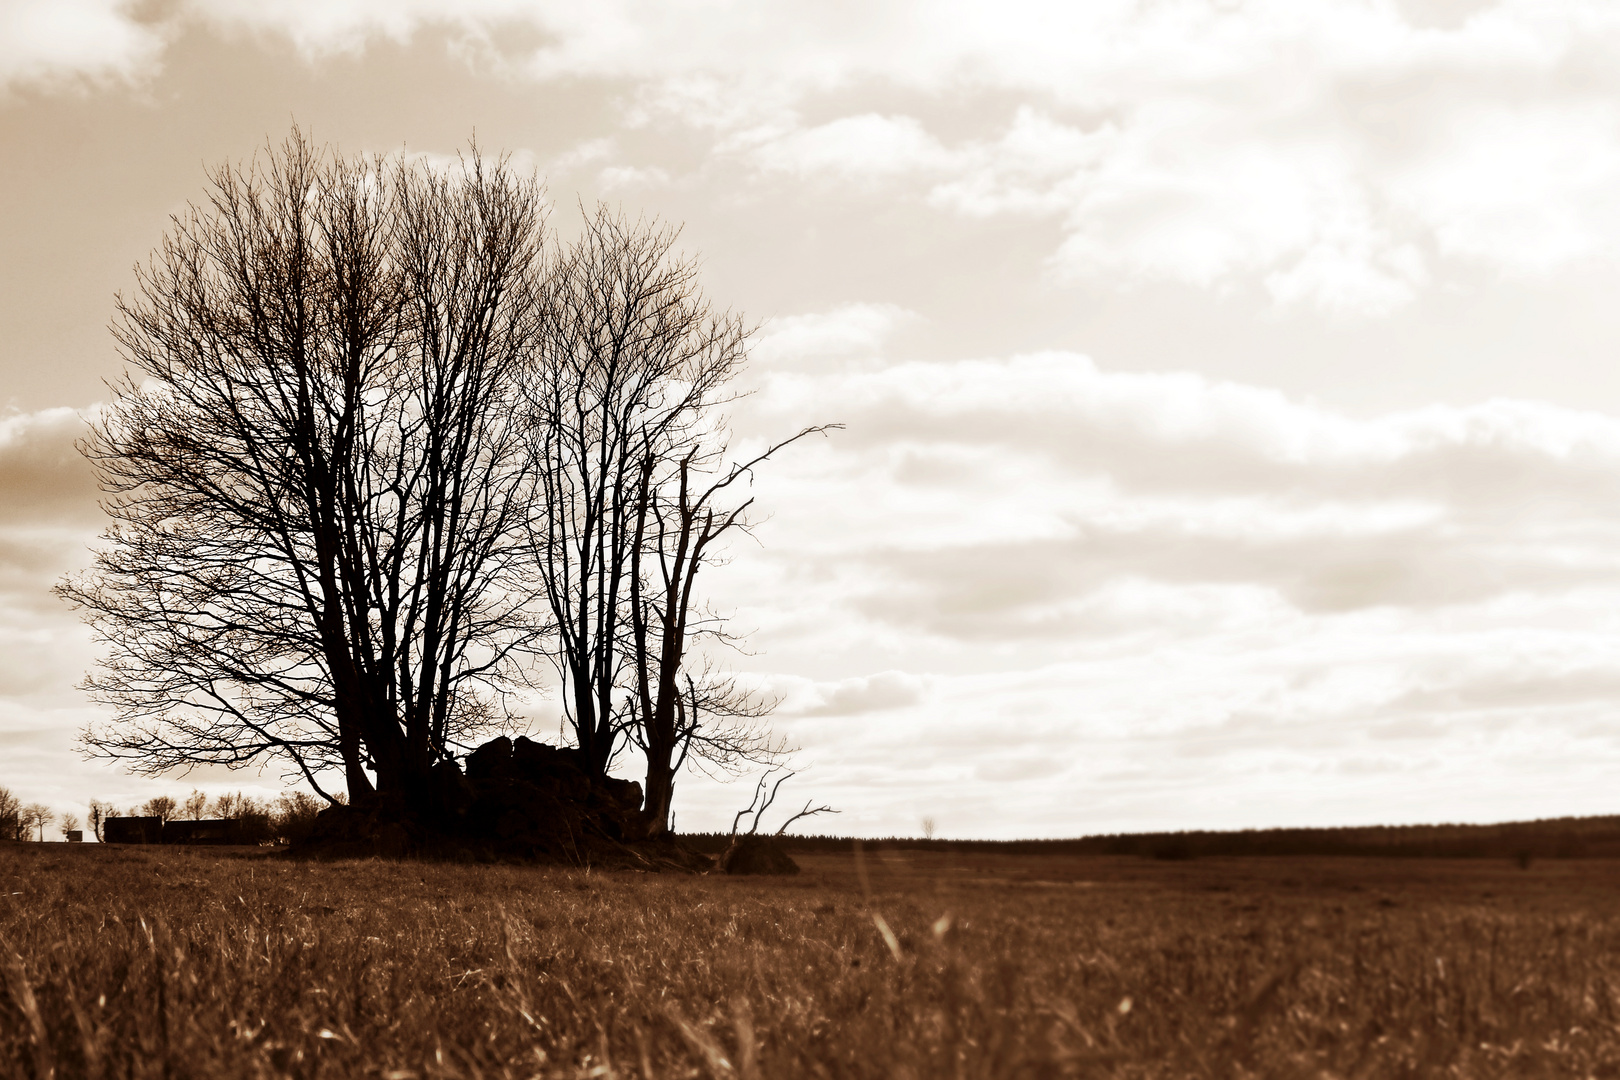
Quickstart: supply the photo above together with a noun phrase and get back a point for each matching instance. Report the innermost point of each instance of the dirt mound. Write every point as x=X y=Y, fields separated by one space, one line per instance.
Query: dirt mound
x=757 y=855
x=518 y=800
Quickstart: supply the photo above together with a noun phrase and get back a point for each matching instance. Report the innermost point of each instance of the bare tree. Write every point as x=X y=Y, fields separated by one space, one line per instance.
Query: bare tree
x=161 y=806
x=97 y=816
x=195 y=805
x=11 y=826
x=629 y=364
x=230 y=805
x=69 y=823
x=625 y=404
x=35 y=816
x=315 y=472
x=681 y=517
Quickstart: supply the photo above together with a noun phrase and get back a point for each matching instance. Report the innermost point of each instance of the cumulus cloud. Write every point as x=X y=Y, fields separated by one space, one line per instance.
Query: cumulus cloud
x=1125 y=583
x=868 y=147
x=865 y=694
x=43 y=477
x=318 y=27
x=48 y=515
x=66 y=43
x=1003 y=495
x=1335 y=154
x=852 y=332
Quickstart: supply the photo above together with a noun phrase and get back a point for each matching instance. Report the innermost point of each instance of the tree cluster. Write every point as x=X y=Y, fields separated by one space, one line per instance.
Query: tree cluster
x=384 y=447
x=23 y=822
x=289 y=817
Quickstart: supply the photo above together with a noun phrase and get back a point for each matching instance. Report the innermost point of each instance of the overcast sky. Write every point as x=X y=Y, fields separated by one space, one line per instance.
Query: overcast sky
x=1231 y=386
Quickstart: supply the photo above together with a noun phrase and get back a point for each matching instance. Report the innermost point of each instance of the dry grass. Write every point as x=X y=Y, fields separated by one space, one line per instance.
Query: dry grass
x=181 y=963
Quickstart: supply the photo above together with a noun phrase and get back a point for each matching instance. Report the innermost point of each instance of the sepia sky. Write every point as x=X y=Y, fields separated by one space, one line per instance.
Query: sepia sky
x=1232 y=387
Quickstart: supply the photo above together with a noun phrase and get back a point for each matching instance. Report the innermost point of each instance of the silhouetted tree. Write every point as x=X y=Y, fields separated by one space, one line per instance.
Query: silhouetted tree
x=99 y=813
x=11 y=827
x=317 y=477
x=228 y=804
x=294 y=816
x=195 y=805
x=252 y=820
x=68 y=824
x=679 y=713
x=624 y=402
x=160 y=806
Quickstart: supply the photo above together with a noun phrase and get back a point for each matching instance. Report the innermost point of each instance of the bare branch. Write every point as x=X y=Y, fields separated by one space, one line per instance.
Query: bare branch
x=806 y=812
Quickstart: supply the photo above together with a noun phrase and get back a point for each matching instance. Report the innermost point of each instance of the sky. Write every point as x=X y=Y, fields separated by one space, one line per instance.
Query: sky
x=1231 y=405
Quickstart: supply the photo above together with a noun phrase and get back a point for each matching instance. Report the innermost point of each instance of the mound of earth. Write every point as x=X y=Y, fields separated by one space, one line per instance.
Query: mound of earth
x=757 y=855
x=518 y=800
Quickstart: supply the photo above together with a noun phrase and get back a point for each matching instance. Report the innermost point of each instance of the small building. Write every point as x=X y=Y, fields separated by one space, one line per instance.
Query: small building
x=74 y=836
x=132 y=830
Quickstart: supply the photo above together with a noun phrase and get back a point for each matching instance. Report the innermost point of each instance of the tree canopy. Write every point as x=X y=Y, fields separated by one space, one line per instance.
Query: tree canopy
x=382 y=448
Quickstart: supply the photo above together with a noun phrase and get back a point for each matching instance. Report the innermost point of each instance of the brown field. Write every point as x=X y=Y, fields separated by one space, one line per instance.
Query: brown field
x=208 y=963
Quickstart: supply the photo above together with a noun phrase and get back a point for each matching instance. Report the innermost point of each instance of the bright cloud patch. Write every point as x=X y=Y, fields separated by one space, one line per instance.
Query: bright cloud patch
x=61 y=42
x=1124 y=584
x=872 y=693
x=851 y=332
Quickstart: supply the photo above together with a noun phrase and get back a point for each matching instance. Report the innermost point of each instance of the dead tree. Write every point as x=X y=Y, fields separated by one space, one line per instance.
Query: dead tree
x=317 y=482
x=750 y=853
x=764 y=801
x=625 y=406
x=682 y=516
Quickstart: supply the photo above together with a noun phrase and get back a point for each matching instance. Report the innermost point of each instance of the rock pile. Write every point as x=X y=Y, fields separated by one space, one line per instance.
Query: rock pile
x=518 y=799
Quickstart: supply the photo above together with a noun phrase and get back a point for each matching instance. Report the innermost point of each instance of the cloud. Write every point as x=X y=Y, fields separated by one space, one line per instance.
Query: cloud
x=1497 y=711
x=851 y=332
x=615 y=177
x=48 y=516
x=1336 y=154
x=1044 y=501
x=43 y=477
x=53 y=44
x=319 y=28
x=868 y=147
x=865 y=694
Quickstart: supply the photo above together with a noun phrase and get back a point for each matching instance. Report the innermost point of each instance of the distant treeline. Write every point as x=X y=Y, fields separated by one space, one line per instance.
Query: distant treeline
x=229 y=818
x=1550 y=838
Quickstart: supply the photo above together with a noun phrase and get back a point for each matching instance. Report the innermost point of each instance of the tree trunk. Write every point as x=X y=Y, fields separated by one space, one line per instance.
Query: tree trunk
x=660 y=788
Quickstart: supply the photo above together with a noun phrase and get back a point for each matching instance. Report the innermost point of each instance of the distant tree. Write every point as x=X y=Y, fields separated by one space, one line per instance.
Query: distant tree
x=294 y=815
x=633 y=370
x=11 y=823
x=36 y=817
x=253 y=820
x=316 y=472
x=69 y=823
x=99 y=813
x=195 y=805
x=162 y=806
x=229 y=804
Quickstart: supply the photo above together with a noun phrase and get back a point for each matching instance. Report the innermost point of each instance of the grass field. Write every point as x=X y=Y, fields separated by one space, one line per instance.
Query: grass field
x=147 y=962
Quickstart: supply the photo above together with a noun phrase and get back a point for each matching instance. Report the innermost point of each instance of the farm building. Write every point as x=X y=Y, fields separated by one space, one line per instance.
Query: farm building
x=132 y=830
